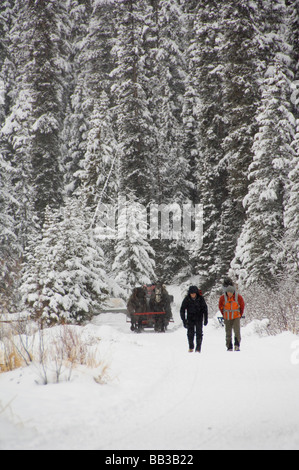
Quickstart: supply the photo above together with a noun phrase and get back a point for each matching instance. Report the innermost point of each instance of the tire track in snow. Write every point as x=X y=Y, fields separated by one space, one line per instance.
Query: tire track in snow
x=167 y=393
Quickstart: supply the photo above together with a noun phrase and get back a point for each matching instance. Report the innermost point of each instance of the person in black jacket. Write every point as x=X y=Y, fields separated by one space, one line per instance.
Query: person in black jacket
x=197 y=315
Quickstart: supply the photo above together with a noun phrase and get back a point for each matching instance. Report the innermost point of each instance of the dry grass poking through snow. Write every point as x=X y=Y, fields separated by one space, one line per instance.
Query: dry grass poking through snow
x=54 y=352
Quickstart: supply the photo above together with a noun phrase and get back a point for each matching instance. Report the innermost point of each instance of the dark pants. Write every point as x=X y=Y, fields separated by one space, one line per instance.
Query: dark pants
x=194 y=328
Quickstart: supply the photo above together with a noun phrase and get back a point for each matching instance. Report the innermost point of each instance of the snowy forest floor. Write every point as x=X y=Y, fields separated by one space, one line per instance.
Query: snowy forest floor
x=159 y=396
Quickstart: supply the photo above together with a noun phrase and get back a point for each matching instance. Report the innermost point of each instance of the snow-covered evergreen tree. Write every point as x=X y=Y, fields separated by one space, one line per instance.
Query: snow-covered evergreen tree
x=164 y=42
x=64 y=280
x=134 y=261
x=260 y=242
x=99 y=162
x=205 y=130
x=90 y=120
x=16 y=137
x=166 y=101
x=6 y=19
x=9 y=249
x=259 y=248
x=291 y=241
x=37 y=39
x=77 y=112
x=135 y=126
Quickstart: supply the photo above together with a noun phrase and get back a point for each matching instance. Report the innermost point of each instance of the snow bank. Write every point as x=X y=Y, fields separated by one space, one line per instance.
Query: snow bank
x=257 y=327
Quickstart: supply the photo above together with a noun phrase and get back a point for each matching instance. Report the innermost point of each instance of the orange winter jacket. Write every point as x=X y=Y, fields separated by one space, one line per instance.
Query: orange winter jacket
x=231 y=309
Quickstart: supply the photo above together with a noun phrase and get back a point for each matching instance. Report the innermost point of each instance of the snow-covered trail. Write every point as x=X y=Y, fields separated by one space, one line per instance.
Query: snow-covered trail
x=160 y=396
x=215 y=400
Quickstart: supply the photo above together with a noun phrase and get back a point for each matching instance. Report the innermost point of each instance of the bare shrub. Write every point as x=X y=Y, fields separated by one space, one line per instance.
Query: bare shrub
x=15 y=344
x=54 y=352
x=10 y=358
x=280 y=305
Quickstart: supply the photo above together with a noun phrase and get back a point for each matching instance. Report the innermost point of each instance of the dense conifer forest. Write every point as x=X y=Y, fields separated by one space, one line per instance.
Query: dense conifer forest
x=154 y=102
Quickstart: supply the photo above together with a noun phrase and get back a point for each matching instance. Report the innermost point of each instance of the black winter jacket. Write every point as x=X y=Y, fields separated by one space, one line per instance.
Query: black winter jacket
x=197 y=309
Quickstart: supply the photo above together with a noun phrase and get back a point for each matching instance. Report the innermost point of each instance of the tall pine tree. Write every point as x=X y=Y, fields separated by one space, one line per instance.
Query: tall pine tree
x=259 y=248
x=135 y=127
x=40 y=70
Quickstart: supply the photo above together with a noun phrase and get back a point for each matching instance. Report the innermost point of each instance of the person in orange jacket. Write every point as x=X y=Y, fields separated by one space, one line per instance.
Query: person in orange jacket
x=232 y=306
